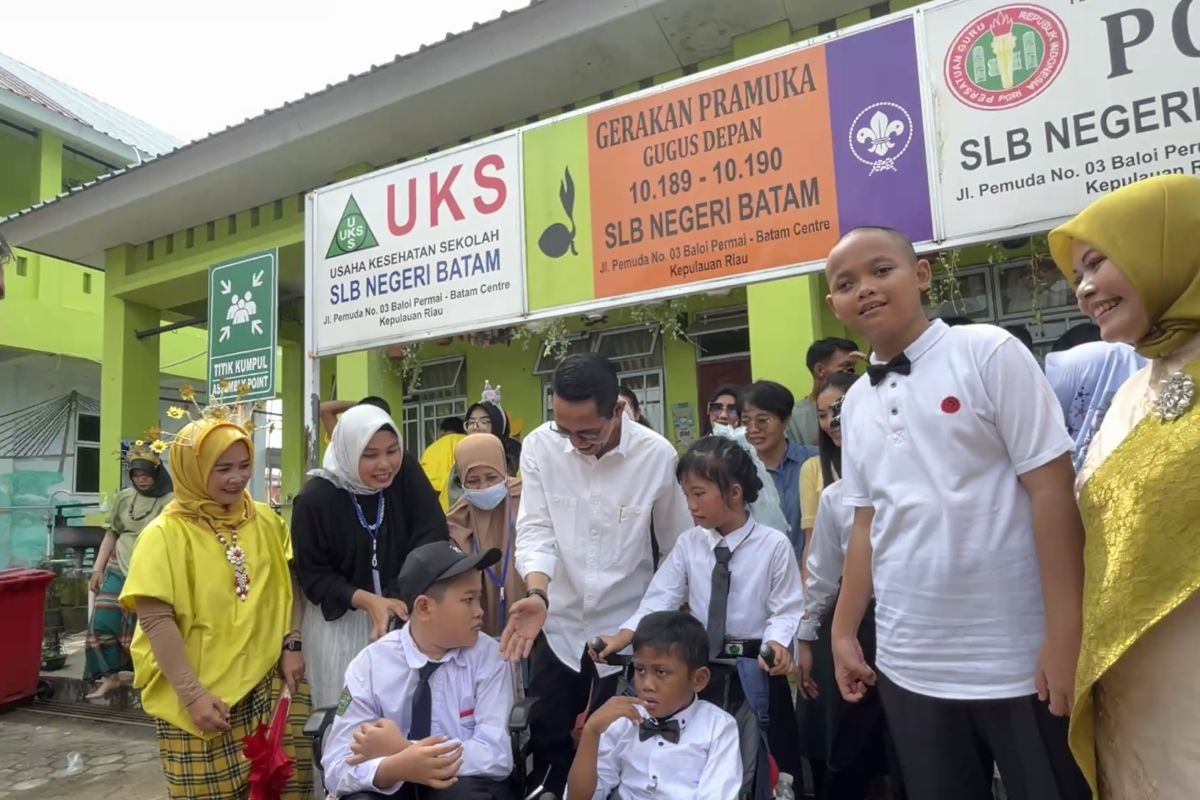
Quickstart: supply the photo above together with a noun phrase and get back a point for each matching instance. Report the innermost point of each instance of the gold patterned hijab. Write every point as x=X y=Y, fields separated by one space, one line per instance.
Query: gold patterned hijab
x=194 y=452
x=1151 y=232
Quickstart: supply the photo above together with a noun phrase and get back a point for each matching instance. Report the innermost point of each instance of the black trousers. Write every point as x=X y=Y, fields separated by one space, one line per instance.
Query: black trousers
x=861 y=751
x=464 y=789
x=947 y=748
x=563 y=694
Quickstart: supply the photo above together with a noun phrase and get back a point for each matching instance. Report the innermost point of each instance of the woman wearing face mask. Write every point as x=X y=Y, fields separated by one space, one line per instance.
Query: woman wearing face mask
x=725 y=408
x=218 y=615
x=484 y=518
x=355 y=522
x=1134 y=256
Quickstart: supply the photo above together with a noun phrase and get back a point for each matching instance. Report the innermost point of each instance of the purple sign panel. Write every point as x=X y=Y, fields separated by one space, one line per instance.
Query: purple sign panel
x=879 y=131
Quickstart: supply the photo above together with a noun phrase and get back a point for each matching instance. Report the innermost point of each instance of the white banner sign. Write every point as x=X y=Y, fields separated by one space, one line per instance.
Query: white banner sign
x=423 y=248
x=1041 y=108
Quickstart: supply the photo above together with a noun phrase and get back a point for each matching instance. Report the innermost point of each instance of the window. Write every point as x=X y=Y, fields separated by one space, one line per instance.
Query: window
x=648 y=386
x=971 y=297
x=87 y=454
x=721 y=334
x=546 y=362
x=87 y=283
x=630 y=348
x=442 y=393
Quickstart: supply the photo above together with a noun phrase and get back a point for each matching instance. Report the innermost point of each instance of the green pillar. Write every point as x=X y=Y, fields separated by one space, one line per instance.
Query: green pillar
x=785 y=318
x=129 y=373
x=293 y=461
x=49 y=171
x=367 y=373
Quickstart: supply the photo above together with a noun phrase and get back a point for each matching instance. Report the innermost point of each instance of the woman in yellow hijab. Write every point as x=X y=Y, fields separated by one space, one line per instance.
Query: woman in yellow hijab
x=219 y=629
x=1135 y=258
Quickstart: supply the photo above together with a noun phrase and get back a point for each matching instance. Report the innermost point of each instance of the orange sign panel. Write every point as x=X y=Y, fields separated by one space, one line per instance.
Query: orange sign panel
x=719 y=177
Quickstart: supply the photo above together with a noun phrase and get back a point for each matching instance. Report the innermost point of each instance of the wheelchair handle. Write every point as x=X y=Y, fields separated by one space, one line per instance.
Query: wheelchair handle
x=767 y=655
x=612 y=659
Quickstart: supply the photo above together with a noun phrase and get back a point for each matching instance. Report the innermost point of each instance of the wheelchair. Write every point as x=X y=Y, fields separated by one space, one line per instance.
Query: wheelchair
x=724 y=690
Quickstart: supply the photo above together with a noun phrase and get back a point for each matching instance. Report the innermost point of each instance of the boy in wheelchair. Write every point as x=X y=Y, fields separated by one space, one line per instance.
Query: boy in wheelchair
x=666 y=742
x=425 y=711
x=740 y=576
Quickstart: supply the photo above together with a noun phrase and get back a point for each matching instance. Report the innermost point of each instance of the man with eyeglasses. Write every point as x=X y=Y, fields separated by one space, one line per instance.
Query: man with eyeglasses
x=593 y=484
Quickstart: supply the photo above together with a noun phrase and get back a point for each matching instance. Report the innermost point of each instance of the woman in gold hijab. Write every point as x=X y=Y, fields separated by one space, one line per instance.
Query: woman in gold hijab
x=484 y=517
x=219 y=628
x=1135 y=258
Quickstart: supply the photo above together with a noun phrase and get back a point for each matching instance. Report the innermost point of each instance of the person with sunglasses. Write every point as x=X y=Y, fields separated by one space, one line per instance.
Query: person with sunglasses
x=725 y=408
x=593 y=484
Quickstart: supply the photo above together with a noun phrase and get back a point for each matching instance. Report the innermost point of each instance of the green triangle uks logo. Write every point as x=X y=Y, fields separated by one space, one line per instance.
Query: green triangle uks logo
x=352 y=234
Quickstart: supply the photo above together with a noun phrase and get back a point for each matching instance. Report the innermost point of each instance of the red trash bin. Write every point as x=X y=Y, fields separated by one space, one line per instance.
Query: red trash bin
x=23 y=608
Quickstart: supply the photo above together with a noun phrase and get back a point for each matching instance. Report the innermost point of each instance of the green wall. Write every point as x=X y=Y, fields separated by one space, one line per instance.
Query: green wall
x=18 y=170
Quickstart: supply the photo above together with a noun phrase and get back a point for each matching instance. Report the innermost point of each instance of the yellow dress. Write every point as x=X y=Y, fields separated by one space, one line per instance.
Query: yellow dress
x=438 y=462
x=812 y=483
x=231 y=644
x=1135 y=729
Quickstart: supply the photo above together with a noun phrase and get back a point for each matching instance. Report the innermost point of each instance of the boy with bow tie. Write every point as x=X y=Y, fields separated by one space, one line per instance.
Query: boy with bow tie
x=666 y=742
x=957 y=464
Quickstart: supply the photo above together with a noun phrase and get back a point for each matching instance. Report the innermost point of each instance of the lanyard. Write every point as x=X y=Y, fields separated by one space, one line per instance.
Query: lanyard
x=503 y=578
x=373 y=532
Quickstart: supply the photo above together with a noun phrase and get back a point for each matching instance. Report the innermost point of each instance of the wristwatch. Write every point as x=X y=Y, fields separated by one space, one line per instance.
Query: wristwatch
x=293 y=646
x=538 y=593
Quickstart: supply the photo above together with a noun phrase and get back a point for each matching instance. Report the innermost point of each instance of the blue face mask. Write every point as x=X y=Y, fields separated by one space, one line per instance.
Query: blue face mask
x=489 y=498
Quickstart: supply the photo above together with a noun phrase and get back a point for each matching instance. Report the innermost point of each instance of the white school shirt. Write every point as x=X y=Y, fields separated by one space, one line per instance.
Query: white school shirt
x=826 y=557
x=706 y=762
x=472 y=698
x=937 y=454
x=766 y=594
x=585 y=522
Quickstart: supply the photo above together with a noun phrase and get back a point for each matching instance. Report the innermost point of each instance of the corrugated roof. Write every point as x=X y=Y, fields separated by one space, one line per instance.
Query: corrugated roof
x=179 y=146
x=27 y=82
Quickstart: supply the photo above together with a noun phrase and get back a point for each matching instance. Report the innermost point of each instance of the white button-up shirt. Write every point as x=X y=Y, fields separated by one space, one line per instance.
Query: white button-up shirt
x=766 y=594
x=707 y=761
x=585 y=522
x=826 y=557
x=472 y=698
x=937 y=454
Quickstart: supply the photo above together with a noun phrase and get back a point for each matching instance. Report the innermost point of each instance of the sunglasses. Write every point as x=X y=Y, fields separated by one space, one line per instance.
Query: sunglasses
x=835 y=414
x=722 y=408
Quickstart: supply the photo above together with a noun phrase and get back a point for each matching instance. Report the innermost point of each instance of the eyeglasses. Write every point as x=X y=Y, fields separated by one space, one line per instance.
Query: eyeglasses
x=760 y=423
x=481 y=423
x=722 y=408
x=591 y=437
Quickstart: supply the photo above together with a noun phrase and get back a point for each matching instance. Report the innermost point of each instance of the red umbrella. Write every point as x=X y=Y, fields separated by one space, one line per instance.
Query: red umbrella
x=270 y=765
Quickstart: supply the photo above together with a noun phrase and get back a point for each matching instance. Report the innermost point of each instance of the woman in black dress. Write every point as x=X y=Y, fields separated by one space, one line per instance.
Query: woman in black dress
x=353 y=524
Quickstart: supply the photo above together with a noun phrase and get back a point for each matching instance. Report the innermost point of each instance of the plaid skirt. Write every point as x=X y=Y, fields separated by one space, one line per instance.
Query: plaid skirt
x=109 y=632
x=215 y=769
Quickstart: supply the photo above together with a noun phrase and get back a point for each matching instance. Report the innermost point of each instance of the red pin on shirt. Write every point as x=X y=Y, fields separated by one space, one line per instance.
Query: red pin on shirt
x=951 y=405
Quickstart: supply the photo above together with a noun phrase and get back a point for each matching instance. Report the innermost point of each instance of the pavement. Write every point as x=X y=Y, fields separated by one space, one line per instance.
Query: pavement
x=118 y=760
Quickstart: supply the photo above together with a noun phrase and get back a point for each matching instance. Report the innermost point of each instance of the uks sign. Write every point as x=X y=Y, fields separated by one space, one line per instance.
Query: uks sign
x=410 y=252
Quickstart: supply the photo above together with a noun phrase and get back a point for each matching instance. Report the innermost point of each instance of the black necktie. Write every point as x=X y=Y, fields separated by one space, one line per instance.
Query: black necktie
x=900 y=365
x=667 y=729
x=718 y=603
x=422 y=703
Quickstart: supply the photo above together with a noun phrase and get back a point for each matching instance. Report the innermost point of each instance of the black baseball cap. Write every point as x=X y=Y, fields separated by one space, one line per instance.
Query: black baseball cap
x=434 y=562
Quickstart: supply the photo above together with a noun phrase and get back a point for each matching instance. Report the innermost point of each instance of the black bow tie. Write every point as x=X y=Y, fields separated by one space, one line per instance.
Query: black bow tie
x=900 y=364
x=667 y=729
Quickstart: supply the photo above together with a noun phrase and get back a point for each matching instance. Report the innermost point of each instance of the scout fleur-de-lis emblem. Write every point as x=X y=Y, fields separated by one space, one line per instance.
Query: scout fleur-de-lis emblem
x=880 y=134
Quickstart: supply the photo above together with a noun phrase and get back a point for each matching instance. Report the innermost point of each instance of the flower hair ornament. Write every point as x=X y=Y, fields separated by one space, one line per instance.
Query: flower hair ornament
x=235 y=411
x=767 y=509
x=141 y=451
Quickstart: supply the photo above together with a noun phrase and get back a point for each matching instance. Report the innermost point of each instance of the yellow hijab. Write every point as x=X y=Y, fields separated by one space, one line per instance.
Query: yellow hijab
x=1151 y=232
x=193 y=454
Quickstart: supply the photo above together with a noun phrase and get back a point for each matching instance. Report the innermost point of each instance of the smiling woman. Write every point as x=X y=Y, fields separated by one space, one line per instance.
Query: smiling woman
x=356 y=521
x=1136 y=262
x=211 y=584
